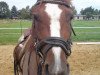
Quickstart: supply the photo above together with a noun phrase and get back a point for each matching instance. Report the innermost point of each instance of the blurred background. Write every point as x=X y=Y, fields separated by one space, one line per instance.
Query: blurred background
x=15 y=17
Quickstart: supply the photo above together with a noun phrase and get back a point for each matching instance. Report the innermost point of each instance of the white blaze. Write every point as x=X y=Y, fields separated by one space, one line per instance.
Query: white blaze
x=54 y=13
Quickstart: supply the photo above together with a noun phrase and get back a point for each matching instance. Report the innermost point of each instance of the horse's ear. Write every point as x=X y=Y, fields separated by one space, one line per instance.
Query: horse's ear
x=36 y=17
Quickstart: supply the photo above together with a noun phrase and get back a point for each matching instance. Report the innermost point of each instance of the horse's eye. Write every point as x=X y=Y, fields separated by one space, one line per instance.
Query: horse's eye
x=36 y=17
x=71 y=17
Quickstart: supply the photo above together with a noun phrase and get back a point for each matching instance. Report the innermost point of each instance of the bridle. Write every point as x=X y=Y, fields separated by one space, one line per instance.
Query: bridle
x=47 y=43
x=52 y=42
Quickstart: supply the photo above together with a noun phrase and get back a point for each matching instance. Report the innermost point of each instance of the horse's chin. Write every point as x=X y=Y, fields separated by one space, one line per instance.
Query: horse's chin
x=61 y=70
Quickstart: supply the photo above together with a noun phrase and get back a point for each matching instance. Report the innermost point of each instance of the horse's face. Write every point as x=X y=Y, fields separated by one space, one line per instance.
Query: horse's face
x=53 y=20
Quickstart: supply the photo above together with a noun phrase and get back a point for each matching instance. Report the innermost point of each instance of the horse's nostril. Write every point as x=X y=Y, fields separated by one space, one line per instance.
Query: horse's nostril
x=46 y=69
x=60 y=70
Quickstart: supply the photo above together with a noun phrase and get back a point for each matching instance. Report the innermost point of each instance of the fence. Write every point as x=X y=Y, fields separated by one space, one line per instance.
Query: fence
x=93 y=32
x=27 y=28
x=82 y=34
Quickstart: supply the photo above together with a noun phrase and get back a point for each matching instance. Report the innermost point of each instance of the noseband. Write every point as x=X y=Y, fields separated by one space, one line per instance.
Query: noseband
x=52 y=42
x=46 y=44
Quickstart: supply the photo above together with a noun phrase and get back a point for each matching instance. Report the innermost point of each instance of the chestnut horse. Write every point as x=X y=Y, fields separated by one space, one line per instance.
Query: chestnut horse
x=44 y=49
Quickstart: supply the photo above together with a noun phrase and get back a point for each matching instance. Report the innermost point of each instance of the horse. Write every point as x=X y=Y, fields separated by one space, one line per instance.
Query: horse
x=45 y=48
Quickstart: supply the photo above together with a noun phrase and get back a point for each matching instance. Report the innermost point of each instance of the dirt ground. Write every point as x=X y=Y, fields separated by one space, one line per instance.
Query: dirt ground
x=84 y=60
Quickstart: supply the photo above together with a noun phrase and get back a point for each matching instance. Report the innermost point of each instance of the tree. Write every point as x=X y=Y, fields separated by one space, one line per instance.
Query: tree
x=24 y=13
x=74 y=10
x=4 y=10
x=99 y=12
x=89 y=12
x=96 y=12
x=14 y=12
x=88 y=15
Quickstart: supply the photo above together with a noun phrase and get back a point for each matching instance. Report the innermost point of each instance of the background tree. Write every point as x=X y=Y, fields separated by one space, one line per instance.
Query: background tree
x=96 y=12
x=74 y=10
x=24 y=13
x=4 y=10
x=89 y=15
x=14 y=12
x=99 y=12
x=89 y=12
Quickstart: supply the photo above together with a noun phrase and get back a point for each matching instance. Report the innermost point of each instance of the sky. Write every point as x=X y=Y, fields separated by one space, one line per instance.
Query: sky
x=79 y=4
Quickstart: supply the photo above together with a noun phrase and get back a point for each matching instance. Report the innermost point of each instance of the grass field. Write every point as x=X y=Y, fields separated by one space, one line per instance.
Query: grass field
x=83 y=34
x=8 y=36
x=86 y=34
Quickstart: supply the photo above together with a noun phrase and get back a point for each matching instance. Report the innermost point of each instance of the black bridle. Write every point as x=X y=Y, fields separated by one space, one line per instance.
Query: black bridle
x=46 y=44
x=52 y=42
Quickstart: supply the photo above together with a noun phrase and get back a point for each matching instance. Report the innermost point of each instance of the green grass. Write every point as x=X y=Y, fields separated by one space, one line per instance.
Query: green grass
x=86 y=37
x=86 y=34
x=8 y=39
x=83 y=23
x=14 y=23
x=11 y=36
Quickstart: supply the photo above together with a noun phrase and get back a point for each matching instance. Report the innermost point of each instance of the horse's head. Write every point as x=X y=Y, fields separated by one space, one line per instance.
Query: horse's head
x=52 y=31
